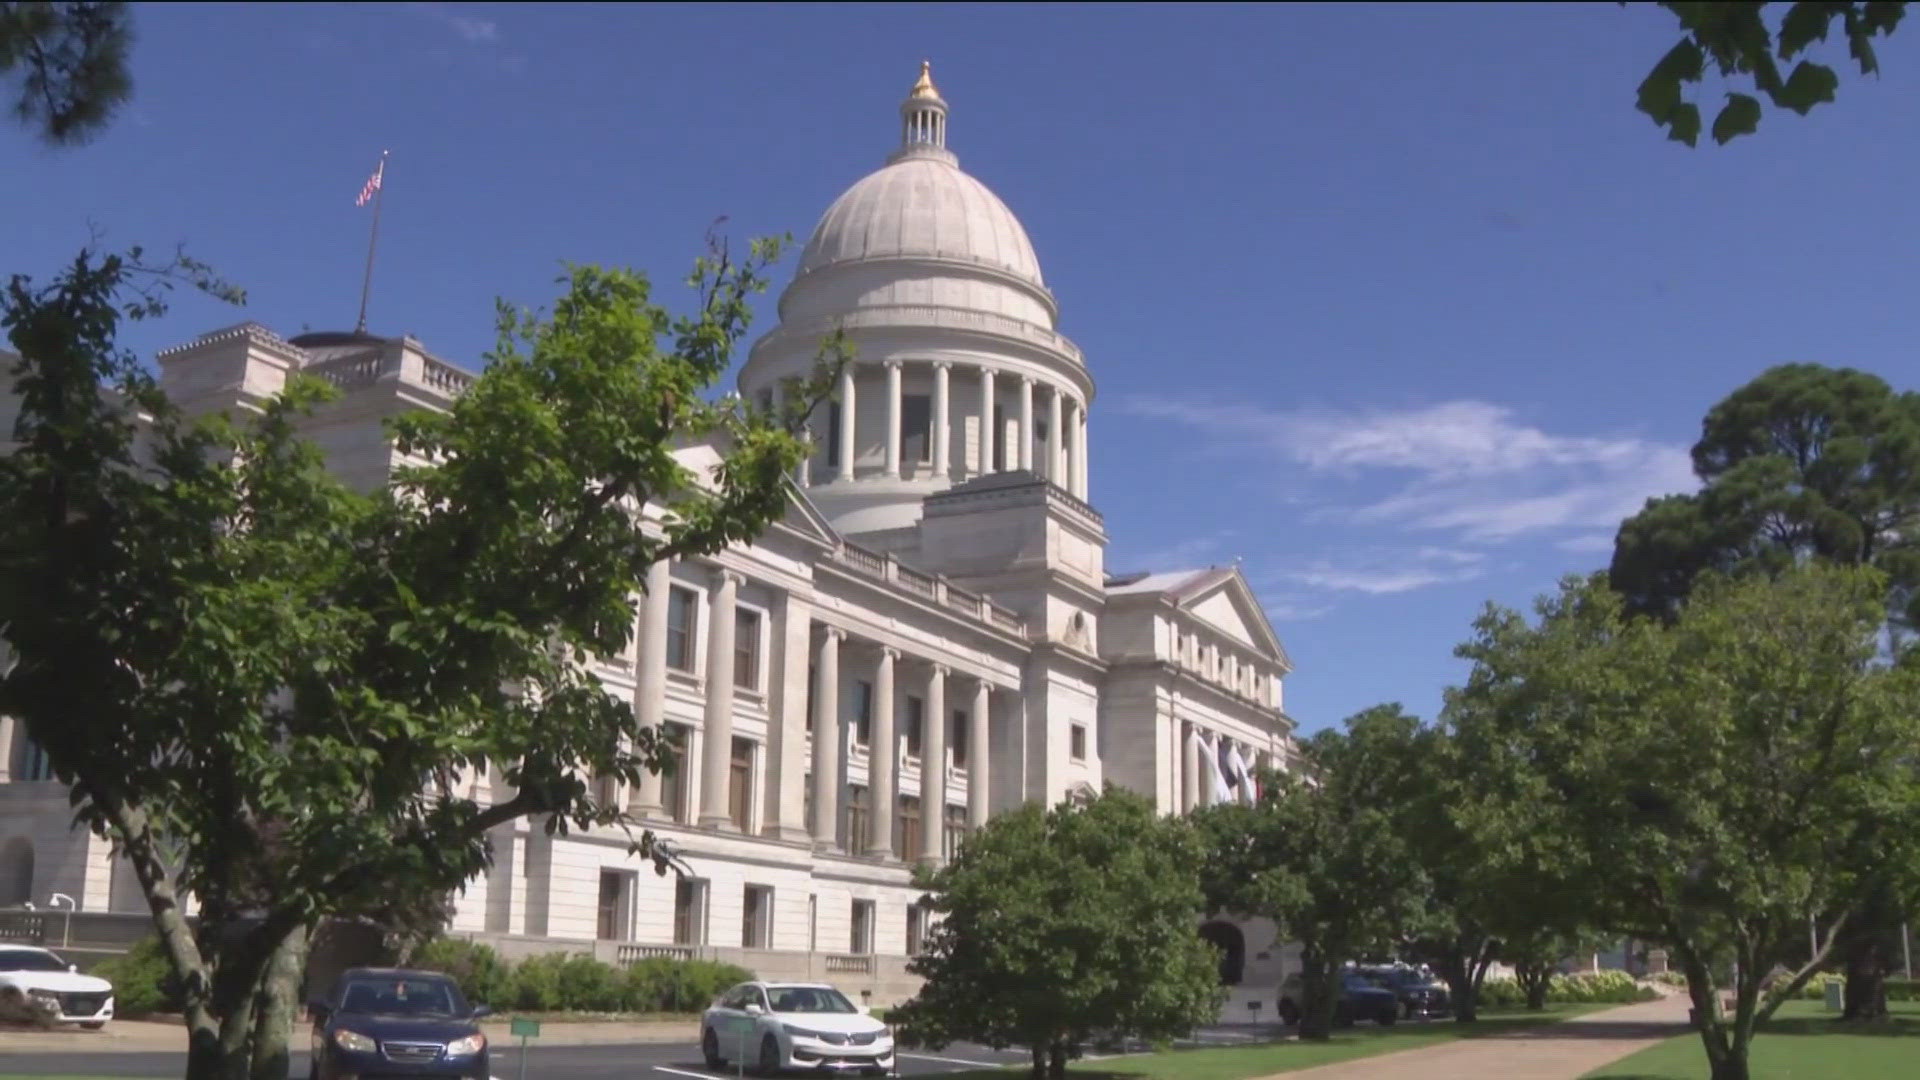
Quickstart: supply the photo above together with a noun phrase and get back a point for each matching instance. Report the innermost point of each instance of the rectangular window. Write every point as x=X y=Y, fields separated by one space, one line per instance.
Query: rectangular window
x=860 y=941
x=813 y=694
x=956 y=830
x=996 y=440
x=858 y=826
x=916 y=929
x=756 y=924
x=613 y=906
x=957 y=740
x=33 y=762
x=806 y=803
x=906 y=838
x=689 y=912
x=746 y=649
x=916 y=428
x=683 y=622
x=740 y=787
x=862 y=713
x=833 y=434
x=673 y=782
x=912 y=723
x=1077 y=742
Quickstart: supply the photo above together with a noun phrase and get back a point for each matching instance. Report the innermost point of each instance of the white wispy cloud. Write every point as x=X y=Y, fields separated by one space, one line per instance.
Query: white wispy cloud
x=468 y=28
x=1468 y=468
x=1590 y=544
x=1381 y=572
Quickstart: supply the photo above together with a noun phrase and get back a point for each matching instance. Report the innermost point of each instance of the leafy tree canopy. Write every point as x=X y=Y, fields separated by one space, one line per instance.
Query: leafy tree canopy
x=1718 y=777
x=1737 y=41
x=262 y=685
x=70 y=63
x=1057 y=925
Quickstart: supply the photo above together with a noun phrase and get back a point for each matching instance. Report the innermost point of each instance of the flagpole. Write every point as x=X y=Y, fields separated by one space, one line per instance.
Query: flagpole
x=366 y=282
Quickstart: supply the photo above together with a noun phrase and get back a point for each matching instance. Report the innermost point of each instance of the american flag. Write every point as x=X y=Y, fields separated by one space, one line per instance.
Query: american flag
x=373 y=184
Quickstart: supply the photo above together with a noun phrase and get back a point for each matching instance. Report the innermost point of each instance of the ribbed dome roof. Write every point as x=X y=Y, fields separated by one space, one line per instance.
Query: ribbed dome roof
x=922 y=207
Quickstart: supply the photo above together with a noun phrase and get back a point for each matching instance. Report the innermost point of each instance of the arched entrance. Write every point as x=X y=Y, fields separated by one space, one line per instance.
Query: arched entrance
x=16 y=872
x=1233 y=950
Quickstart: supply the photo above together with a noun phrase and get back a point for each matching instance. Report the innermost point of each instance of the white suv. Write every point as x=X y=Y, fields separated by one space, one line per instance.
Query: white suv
x=37 y=985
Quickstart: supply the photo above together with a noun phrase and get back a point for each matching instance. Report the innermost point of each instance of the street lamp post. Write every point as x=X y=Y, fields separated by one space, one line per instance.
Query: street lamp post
x=66 y=926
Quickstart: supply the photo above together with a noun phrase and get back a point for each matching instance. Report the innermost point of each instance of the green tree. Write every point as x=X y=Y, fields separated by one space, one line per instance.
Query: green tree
x=1323 y=856
x=1719 y=775
x=1057 y=925
x=260 y=684
x=70 y=63
x=1736 y=41
x=1804 y=462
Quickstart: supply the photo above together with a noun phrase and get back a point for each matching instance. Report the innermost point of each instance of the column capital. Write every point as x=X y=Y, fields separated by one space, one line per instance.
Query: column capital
x=893 y=362
x=1029 y=379
x=938 y=669
x=721 y=575
x=832 y=633
x=943 y=365
x=889 y=652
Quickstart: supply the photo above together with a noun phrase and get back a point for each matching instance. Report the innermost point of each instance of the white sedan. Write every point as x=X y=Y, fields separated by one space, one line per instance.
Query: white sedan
x=36 y=984
x=777 y=1026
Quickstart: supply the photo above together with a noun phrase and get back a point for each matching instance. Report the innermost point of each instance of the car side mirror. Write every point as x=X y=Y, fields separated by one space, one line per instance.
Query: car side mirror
x=865 y=1010
x=755 y=1009
x=73 y=969
x=480 y=1011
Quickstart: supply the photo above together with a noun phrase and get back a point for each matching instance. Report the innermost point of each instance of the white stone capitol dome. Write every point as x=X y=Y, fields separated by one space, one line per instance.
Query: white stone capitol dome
x=921 y=206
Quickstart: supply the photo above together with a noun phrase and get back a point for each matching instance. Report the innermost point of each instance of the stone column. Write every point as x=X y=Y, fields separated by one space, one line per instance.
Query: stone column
x=1056 y=446
x=826 y=742
x=883 y=759
x=1189 y=768
x=650 y=678
x=893 y=419
x=787 y=752
x=989 y=421
x=1026 y=423
x=933 y=768
x=717 y=762
x=848 y=411
x=6 y=749
x=941 y=420
x=978 y=722
x=1080 y=451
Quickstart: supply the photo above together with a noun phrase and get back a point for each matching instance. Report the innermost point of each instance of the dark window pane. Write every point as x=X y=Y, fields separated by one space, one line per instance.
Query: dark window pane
x=916 y=428
x=912 y=723
x=740 y=791
x=957 y=740
x=683 y=618
x=862 y=712
x=746 y=649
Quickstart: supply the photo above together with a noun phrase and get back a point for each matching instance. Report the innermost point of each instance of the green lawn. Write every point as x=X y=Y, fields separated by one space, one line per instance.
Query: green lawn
x=1241 y=1062
x=1803 y=1042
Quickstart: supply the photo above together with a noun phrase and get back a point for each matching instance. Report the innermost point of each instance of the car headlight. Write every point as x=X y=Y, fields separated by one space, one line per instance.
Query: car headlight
x=799 y=1032
x=43 y=995
x=353 y=1042
x=472 y=1044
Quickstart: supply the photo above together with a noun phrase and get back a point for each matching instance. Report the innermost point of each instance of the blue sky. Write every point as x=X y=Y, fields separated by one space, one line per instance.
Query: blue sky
x=1402 y=306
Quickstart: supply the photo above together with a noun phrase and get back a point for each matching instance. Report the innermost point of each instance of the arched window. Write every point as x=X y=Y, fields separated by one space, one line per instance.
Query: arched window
x=1233 y=950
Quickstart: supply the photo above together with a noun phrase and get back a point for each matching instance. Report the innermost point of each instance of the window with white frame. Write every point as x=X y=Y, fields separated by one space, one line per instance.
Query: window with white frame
x=860 y=937
x=756 y=923
x=1077 y=741
x=746 y=648
x=683 y=628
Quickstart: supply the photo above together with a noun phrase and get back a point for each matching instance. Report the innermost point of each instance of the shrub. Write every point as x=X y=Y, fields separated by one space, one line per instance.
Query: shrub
x=1602 y=987
x=1903 y=989
x=704 y=980
x=483 y=976
x=1670 y=978
x=587 y=985
x=143 y=981
x=1502 y=994
x=536 y=982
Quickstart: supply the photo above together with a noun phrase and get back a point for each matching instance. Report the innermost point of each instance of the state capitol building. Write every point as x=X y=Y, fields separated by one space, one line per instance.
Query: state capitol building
x=930 y=636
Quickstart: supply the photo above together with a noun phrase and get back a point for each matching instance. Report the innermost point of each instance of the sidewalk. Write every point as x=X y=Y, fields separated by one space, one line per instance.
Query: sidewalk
x=1561 y=1051
x=146 y=1037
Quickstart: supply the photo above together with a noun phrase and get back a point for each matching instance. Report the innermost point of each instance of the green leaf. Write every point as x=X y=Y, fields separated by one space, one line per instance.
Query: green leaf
x=1660 y=91
x=1685 y=124
x=1810 y=84
x=1740 y=116
x=1805 y=23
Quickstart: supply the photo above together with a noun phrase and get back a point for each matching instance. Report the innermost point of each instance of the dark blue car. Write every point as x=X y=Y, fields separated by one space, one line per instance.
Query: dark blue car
x=378 y=1023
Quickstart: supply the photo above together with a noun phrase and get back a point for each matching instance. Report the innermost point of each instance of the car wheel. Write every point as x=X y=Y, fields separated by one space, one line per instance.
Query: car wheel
x=1388 y=1017
x=769 y=1056
x=710 y=1049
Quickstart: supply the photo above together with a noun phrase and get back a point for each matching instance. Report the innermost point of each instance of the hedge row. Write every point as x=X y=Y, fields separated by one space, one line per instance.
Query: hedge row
x=555 y=982
x=576 y=982
x=1585 y=988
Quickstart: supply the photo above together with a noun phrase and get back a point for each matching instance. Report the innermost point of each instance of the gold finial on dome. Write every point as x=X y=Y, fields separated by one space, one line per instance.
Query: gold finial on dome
x=923 y=87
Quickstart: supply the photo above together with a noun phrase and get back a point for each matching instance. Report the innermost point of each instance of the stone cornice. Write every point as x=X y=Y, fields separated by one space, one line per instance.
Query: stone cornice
x=1192 y=685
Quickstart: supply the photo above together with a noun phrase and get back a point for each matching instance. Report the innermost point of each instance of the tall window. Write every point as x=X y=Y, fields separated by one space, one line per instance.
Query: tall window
x=673 y=782
x=996 y=448
x=1077 y=742
x=858 y=824
x=906 y=839
x=913 y=723
x=916 y=929
x=33 y=762
x=756 y=924
x=957 y=740
x=860 y=941
x=683 y=622
x=746 y=648
x=689 y=912
x=956 y=830
x=833 y=434
x=740 y=788
x=813 y=693
x=613 y=906
x=862 y=713
x=916 y=428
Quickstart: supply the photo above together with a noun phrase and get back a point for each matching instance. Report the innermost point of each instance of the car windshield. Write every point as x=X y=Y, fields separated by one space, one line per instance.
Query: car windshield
x=401 y=997
x=808 y=999
x=30 y=960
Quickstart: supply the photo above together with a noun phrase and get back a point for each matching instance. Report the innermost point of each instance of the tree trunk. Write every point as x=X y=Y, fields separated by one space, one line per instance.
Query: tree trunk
x=1320 y=983
x=1461 y=971
x=1057 y=1061
x=1039 y=1070
x=276 y=1005
x=1535 y=979
x=1732 y=1065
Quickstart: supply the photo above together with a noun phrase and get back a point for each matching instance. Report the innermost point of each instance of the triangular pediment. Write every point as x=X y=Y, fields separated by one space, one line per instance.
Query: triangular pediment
x=805 y=520
x=1227 y=603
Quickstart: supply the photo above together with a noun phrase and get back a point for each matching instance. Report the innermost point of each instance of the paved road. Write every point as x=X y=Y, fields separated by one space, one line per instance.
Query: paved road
x=628 y=1062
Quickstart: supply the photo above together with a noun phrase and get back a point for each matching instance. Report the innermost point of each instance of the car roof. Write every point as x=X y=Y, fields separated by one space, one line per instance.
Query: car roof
x=795 y=986
x=11 y=947
x=393 y=973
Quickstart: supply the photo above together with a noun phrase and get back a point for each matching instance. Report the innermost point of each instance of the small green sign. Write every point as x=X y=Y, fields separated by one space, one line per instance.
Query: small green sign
x=523 y=1028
